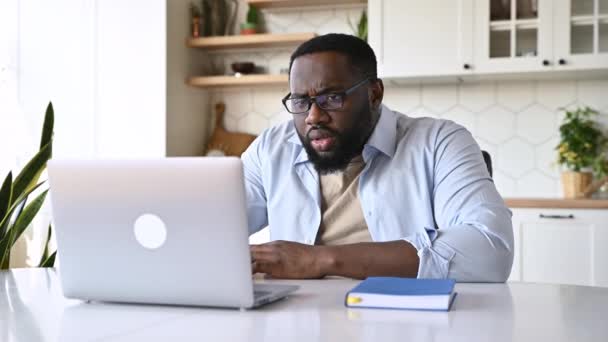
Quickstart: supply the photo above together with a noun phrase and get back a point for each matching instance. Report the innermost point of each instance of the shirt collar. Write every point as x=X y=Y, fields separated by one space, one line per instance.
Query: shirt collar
x=383 y=137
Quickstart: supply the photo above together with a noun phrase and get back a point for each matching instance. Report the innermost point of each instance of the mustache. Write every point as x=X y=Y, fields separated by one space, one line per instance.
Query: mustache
x=317 y=131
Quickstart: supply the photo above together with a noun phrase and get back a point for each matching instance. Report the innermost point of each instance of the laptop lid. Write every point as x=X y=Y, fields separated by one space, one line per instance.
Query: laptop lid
x=167 y=231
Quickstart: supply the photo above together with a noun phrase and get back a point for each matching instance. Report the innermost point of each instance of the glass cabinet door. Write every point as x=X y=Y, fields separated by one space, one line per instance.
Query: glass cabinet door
x=582 y=32
x=514 y=35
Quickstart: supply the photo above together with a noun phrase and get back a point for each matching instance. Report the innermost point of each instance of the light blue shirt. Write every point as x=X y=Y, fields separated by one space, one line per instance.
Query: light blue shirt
x=424 y=181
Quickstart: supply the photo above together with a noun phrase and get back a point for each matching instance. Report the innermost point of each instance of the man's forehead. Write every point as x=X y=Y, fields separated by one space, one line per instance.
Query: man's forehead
x=317 y=60
x=319 y=71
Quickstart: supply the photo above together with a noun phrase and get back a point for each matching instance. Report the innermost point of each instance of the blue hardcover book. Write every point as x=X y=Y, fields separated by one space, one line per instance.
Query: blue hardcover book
x=402 y=293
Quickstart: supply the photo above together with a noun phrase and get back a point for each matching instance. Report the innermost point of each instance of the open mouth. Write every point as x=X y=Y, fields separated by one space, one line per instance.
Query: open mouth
x=321 y=140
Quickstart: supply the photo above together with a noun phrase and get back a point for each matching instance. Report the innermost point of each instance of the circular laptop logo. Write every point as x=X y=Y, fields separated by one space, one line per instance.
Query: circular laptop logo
x=150 y=231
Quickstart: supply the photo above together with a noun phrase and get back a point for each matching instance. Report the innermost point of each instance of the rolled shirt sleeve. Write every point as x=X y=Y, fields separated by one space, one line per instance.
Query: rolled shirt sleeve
x=473 y=241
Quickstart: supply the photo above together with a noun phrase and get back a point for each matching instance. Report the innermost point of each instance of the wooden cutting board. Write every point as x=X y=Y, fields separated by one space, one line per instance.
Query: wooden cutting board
x=229 y=143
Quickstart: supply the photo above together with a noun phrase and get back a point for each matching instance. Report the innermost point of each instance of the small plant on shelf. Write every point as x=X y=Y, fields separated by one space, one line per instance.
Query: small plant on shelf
x=250 y=26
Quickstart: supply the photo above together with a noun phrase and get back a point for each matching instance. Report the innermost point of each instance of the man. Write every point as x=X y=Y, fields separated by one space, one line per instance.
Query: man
x=351 y=188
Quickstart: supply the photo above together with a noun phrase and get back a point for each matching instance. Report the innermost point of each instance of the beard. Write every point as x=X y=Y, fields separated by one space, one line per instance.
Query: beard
x=348 y=143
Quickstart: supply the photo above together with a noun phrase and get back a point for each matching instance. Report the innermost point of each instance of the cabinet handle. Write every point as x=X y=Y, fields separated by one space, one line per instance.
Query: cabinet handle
x=561 y=61
x=546 y=62
x=567 y=217
x=466 y=66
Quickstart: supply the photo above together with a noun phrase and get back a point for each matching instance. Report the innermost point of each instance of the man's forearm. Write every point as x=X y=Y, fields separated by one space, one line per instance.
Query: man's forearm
x=362 y=260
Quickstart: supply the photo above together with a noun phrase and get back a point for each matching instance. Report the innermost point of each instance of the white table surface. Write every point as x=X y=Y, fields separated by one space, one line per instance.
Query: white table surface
x=32 y=308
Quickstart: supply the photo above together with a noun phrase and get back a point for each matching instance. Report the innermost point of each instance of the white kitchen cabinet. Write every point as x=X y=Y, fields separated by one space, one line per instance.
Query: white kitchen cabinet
x=414 y=38
x=513 y=35
x=581 y=34
x=540 y=35
x=566 y=246
x=460 y=38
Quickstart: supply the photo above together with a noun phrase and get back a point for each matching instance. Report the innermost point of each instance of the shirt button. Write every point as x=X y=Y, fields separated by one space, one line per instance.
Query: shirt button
x=308 y=242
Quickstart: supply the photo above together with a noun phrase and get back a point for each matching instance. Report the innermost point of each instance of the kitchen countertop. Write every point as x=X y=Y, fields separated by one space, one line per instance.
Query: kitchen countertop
x=586 y=203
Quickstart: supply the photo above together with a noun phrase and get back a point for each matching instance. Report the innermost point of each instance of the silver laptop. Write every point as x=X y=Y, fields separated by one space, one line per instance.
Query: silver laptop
x=167 y=231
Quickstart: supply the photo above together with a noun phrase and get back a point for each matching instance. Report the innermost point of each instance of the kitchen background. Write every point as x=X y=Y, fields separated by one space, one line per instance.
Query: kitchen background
x=106 y=92
x=515 y=121
x=117 y=74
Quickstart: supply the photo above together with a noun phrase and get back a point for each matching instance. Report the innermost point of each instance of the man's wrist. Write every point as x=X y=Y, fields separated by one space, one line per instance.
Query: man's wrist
x=325 y=260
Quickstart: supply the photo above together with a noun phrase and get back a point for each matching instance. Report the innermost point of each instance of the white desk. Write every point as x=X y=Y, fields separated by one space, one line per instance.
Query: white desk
x=32 y=308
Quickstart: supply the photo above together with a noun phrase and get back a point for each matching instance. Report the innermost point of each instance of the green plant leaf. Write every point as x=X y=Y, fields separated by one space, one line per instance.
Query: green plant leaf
x=32 y=171
x=45 y=252
x=47 y=127
x=16 y=204
x=50 y=261
x=19 y=227
x=362 y=22
x=252 y=15
x=6 y=192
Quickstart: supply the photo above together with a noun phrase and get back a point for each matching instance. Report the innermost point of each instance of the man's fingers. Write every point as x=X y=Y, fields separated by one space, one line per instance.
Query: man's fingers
x=261 y=267
x=265 y=247
x=263 y=256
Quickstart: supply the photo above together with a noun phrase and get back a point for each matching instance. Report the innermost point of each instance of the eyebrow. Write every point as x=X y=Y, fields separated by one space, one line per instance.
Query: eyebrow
x=321 y=91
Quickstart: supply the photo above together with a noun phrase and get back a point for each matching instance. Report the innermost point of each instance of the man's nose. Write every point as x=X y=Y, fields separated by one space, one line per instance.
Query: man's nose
x=316 y=115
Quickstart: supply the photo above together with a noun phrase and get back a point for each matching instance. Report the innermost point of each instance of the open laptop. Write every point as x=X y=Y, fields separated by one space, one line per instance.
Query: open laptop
x=167 y=231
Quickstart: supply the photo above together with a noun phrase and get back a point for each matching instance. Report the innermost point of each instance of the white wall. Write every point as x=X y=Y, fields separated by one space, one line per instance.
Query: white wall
x=54 y=64
x=103 y=64
x=130 y=68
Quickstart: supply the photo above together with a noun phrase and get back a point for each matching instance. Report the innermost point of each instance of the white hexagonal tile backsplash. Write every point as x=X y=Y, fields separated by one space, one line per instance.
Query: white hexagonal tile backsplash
x=266 y=102
x=536 y=184
x=515 y=95
x=403 y=98
x=546 y=157
x=594 y=93
x=496 y=124
x=556 y=94
x=515 y=158
x=536 y=124
x=253 y=123
x=461 y=116
x=477 y=96
x=439 y=98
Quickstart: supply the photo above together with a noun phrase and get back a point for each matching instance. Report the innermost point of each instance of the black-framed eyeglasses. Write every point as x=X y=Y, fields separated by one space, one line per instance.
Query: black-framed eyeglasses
x=329 y=101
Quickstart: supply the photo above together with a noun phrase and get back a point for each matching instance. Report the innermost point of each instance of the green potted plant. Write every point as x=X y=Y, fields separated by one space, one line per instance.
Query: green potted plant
x=581 y=151
x=250 y=26
x=16 y=211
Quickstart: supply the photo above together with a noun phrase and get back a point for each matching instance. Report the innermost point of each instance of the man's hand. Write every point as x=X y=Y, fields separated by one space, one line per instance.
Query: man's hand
x=285 y=259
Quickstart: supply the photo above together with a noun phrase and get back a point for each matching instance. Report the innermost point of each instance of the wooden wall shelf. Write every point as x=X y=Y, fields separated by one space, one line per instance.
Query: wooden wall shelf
x=231 y=81
x=260 y=40
x=301 y=3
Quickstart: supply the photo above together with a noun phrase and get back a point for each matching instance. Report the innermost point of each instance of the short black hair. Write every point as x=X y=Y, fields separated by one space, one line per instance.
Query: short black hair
x=360 y=54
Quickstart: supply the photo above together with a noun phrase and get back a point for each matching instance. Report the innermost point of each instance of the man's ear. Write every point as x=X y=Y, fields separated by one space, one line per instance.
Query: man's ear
x=376 y=93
